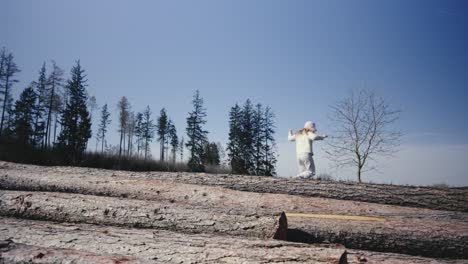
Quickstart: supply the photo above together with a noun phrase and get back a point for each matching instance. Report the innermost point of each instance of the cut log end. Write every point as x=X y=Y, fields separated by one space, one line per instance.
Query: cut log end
x=281 y=227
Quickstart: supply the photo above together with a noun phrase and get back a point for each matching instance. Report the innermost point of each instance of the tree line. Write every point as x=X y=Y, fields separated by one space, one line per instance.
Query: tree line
x=52 y=113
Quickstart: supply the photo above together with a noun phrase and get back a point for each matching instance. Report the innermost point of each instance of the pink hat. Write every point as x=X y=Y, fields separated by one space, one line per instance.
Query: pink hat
x=310 y=125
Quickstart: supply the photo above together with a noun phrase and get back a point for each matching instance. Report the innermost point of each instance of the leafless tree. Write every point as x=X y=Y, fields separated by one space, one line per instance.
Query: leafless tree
x=363 y=123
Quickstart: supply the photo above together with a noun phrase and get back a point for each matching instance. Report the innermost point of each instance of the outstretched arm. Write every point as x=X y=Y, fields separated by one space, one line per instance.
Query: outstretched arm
x=291 y=136
x=313 y=136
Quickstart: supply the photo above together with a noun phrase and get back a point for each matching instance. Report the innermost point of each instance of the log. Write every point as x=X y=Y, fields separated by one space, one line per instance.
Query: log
x=452 y=199
x=127 y=186
x=165 y=246
x=17 y=253
x=77 y=208
x=413 y=231
x=414 y=237
x=370 y=257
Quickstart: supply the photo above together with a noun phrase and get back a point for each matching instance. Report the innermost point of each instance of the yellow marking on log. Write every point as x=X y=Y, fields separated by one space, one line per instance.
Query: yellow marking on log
x=339 y=217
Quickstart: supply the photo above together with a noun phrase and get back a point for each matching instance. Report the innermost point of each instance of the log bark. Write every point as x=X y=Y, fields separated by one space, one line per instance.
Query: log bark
x=406 y=237
x=78 y=208
x=17 y=253
x=452 y=199
x=370 y=257
x=162 y=246
x=413 y=231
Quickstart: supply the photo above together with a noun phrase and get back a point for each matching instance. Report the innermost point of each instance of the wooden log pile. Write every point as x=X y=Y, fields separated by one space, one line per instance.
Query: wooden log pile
x=75 y=205
x=450 y=199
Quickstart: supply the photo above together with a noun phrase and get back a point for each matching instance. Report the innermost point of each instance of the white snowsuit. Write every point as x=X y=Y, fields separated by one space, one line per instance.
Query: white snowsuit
x=304 y=152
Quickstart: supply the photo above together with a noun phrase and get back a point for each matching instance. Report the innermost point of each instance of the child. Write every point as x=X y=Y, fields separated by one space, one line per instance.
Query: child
x=304 y=152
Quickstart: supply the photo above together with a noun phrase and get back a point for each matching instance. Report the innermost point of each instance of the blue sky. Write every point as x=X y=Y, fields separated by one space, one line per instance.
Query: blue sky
x=298 y=57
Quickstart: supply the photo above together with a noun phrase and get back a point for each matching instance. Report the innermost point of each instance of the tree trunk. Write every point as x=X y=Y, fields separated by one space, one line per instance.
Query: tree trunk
x=78 y=208
x=164 y=246
x=389 y=228
x=5 y=99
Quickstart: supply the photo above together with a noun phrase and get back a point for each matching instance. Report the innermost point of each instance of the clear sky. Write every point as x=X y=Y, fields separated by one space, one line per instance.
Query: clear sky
x=298 y=57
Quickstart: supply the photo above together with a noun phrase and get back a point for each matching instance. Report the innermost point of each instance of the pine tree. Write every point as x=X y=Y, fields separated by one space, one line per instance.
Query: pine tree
x=139 y=132
x=173 y=140
x=24 y=117
x=130 y=133
x=123 y=105
x=197 y=137
x=148 y=129
x=211 y=154
x=55 y=82
x=270 y=143
x=8 y=71
x=58 y=107
x=40 y=108
x=76 y=123
x=92 y=106
x=163 y=129
x=181 y=149
x=234 y=147
x=102 y=129
x=247 y=143
x=251 y=147
x=258 y=127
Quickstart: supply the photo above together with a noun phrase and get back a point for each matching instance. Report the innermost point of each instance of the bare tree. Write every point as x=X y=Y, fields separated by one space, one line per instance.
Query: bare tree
x=363 y=131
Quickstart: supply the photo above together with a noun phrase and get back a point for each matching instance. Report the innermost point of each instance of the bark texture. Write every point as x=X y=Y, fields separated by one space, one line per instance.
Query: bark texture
x=413 y=231
x=159 y=246
x=452 y=199
x=16 y=253
x=78 y=208
x=406 y=237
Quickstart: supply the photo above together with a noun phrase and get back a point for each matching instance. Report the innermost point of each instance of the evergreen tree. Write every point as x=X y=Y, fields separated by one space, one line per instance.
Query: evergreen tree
x=181 y=149
x=258 y=128
x=197 y=137
x=173 y=140
x=76 y=123
x=40 y=108
x=163 y=129
x=92 y=106
x=269 y=142
x=58 y=107
x=139 y=132
x=211 y=154
x=148 y=129
x=8 y=71
x=55 y=82
x=130 y=133
x=251 y=147
x=234 y=147
x=123 y=105
x=102 y=129
x=247 y=141
x=24 y=117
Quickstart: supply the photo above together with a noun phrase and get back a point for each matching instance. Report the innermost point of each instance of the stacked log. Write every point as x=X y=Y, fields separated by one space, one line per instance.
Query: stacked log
x=450 y=199
x=152 y=202
x=415 y=231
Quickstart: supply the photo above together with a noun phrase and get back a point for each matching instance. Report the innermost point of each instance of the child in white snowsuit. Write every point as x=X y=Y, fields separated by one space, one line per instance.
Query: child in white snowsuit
x=304 y=151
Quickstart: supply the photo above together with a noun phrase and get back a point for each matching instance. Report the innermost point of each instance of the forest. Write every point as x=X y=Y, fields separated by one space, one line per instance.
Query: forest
x=50 y=123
